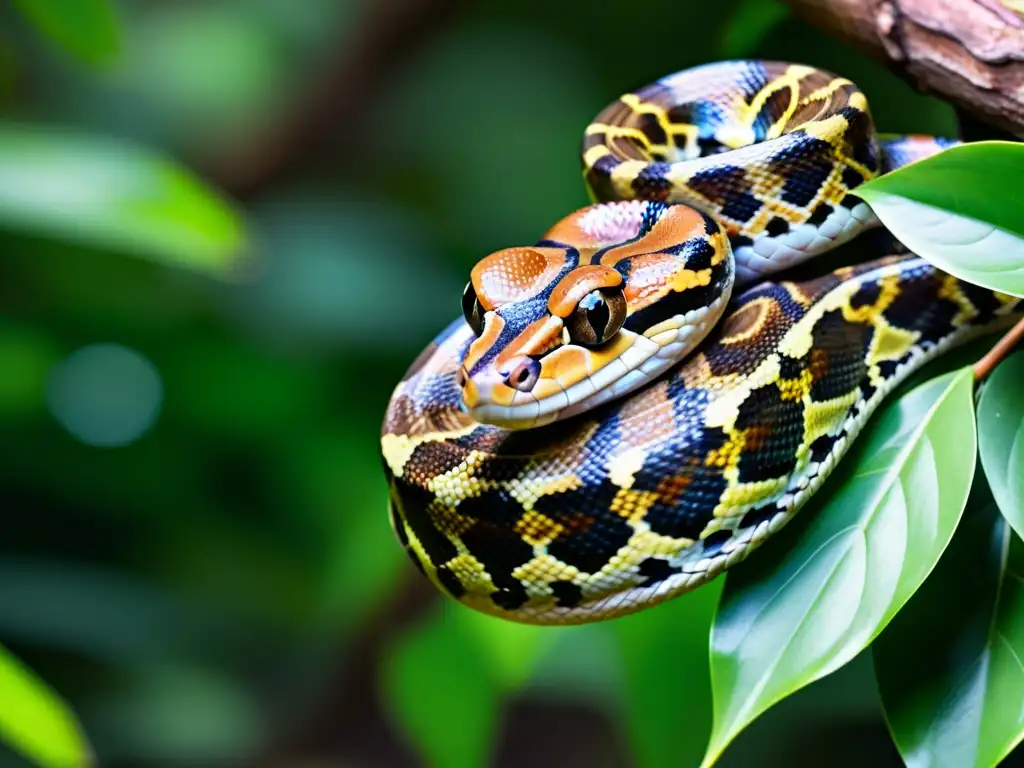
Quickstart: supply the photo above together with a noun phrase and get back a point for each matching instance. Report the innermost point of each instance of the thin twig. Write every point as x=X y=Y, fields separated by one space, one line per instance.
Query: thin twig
x=1003 y=347
x=390 y=35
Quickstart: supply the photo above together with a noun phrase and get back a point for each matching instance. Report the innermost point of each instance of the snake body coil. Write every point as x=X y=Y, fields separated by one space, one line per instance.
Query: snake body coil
x=639 y=499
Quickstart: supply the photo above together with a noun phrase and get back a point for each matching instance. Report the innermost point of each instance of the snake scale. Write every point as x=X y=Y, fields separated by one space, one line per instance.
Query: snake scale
x=611 y=424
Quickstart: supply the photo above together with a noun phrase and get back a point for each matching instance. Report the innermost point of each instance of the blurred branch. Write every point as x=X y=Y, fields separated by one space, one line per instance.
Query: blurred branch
x=349 y=724
x=969 y=52
x=389 y=36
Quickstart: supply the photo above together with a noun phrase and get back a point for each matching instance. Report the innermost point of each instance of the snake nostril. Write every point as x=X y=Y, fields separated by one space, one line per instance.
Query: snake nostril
x=523 y=375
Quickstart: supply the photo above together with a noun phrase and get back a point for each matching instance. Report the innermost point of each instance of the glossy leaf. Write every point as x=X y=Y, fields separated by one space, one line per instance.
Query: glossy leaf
x=664 y=655
x=949 y=666
x=959 y=209
x=113 y=195
x=442 y=694
x=1001 y=437
x=35 y=721
x=88 y=29
x=817 y=596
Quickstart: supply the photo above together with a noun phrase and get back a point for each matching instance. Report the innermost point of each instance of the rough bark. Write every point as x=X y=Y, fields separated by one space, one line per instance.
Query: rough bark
x=969 y=52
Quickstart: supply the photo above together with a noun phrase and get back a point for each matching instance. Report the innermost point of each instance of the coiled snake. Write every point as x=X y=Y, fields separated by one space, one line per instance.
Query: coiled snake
x=574 y=449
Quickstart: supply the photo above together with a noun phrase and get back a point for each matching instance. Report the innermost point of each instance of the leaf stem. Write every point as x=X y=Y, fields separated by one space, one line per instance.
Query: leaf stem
x=1003 y=347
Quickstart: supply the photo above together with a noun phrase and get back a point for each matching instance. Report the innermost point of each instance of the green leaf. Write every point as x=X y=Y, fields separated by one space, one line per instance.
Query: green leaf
x=664 y=651
x=442 y=694
x=959 y=209
x=949 y=666
x=1001 y=437
x=511 y=651
x=34 y=720
x=87 y=29
x=114 y=195
x=749 y=23
x=817 y=596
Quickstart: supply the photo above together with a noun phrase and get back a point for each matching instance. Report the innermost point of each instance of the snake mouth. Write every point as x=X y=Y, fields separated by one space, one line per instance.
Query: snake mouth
x=573 y=379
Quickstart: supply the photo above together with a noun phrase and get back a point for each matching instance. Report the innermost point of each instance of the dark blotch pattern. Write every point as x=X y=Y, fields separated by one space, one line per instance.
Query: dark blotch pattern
x=837 y=355
x=650 y=127
x=567 y=594
x=714 y=542
x=687 y=490
x=655 y=570
x=775 y=429
x=589 y=540
x=450 y=582
x=821 y=212
x=755 y=517
x=822 y=447
x=415 y=505
x=866 y=296
x=741 y=208
x=852 y=177
x=697 y=253
x=599 y=177
x=651 y=183
x=806 y=164
x=934 y=319
x=777 y=226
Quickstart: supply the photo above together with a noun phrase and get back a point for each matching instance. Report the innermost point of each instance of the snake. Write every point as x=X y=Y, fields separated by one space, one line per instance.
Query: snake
x=635 y=403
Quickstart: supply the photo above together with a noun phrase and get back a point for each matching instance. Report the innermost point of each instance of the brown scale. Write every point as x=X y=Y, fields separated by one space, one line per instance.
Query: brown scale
x=673 y=489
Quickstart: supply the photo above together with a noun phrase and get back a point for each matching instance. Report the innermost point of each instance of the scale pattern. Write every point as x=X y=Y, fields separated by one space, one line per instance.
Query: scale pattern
x=649 y=497
x=771 y=149
x=646 y=497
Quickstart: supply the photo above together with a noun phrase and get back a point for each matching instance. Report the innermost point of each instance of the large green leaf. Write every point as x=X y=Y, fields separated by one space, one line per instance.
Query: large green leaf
x=35 y=721
x=960 y=210
x=949 y=666
x=1001 y=437
x=114 y=195
x=817 y=596
x=664 y=653
x=442 y=694
x=86 y=28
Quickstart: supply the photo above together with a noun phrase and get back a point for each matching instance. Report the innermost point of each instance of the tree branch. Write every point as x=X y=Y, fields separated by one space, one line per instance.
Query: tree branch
x=388 y=37
x=969 y=52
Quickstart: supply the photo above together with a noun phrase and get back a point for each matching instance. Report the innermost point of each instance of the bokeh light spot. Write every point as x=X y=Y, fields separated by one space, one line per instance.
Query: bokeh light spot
x=105 y=394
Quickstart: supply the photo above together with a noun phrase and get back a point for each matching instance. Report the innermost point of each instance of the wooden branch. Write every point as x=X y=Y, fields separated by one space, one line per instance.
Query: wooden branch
x=388 y=37
x=969 y=52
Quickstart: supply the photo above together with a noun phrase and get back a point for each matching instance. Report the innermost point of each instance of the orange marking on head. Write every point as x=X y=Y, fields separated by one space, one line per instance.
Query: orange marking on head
x=677 y=224
x=535 y=339
x=649 y=278
x=565 y=365
x=515 y=274
x=493 y=326
x=577 y=284
x=600 y=225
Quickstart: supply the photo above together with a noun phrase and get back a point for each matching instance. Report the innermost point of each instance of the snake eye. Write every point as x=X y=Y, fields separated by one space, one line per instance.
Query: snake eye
x=597 y=317
x=472 y=310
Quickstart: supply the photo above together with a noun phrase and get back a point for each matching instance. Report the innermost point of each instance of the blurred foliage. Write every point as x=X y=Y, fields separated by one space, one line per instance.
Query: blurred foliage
x=34 y=720
x=85 y=28
x=221 y=587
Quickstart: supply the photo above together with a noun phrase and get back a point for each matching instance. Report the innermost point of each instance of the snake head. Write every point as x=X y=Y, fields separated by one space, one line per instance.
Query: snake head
x=613 y=296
